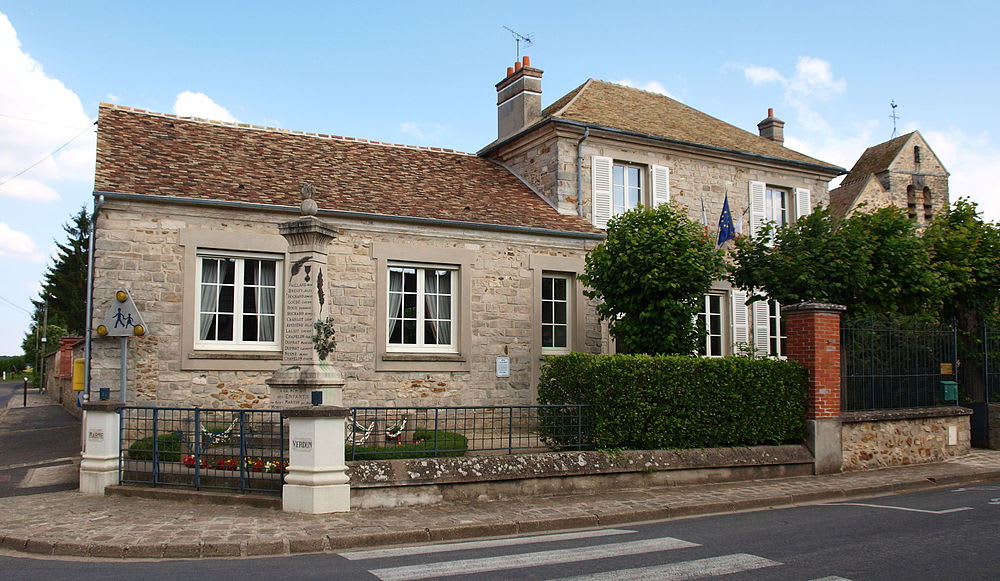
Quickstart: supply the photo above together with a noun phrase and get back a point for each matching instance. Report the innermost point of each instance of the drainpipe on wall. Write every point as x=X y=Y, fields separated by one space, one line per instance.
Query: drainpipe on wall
x=579 y=172
x=90 y=295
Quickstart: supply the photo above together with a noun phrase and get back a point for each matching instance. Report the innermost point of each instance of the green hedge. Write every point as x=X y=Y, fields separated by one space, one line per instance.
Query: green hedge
x=168 y=446
x=448 y=444
x=664 y=402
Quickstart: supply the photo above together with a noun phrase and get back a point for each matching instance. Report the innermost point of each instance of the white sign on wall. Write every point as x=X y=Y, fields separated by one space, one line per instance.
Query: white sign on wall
x=503 y=366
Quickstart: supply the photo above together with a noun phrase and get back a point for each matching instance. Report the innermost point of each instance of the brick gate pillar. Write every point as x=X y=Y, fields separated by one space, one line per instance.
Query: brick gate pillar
x=813 y=331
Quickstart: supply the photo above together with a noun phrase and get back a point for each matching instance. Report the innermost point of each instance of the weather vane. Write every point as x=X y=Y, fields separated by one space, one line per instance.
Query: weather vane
x=893 y=116
x=518 y=39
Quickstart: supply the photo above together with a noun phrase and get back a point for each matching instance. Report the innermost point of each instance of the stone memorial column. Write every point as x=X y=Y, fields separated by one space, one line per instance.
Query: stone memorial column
x=308 y=329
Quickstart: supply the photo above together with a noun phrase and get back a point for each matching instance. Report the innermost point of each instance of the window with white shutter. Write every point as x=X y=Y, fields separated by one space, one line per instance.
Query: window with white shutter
x=757 y=217
x=761 y=328
x=740 y=319
x=661 y=184
x=600 y=170
x=803 y=202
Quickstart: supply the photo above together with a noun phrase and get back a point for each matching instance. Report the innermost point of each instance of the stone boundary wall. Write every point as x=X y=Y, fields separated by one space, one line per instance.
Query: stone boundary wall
x=881 y=438
x=424 y=481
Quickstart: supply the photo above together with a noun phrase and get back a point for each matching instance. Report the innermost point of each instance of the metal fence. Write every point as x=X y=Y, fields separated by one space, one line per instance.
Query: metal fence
x=991 y=363
x=888 y=366
x=228 y=449
x=378 y=433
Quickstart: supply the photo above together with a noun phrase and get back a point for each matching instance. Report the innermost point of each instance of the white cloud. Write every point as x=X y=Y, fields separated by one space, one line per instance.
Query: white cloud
x=112 y=98
x=16 y=244
x=191 y=104
x=40 y=115
x=974 y=163
x=423 y=131
x=812 y=81
x=651 y=86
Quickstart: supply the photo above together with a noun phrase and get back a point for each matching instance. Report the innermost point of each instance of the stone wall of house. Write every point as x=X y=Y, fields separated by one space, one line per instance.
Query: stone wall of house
x=884 y=438
x=548 y=160
x=139 y=247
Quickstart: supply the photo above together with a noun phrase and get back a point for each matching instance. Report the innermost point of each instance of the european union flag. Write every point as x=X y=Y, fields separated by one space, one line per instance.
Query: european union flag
x=726 y=229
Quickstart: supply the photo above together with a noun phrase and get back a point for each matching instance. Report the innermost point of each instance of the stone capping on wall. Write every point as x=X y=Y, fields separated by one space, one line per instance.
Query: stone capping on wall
x=813 y=307
x=316 y=411
x=903 y=414
x=473 y=469
x=103 y=406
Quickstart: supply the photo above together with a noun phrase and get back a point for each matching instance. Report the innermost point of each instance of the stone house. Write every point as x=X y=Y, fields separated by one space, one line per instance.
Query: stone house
x=443 y=262
x=903 y=172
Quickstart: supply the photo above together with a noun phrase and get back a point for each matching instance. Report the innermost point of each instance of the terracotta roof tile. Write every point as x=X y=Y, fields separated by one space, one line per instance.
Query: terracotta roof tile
x=139 y=152
x=877 y=158
x=626 y=108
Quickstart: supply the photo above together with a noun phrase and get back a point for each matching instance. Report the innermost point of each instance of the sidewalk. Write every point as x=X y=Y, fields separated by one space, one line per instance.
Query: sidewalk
x=68 y=523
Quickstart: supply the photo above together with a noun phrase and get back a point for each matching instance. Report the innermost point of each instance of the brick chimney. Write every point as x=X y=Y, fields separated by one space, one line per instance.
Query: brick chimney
x=519 y=98
x=772 y=128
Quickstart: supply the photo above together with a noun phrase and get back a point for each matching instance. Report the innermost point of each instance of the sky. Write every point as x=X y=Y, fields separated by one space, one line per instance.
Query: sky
x=424 y=73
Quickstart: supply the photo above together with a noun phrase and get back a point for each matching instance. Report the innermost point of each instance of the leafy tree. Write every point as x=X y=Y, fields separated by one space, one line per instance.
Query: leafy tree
x=64 y=290
x=651 y=274
x=871 y=262
x=965 y=253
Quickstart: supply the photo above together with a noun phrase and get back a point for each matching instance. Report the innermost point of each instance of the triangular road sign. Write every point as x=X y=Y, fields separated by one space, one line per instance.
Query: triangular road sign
x=123 y=318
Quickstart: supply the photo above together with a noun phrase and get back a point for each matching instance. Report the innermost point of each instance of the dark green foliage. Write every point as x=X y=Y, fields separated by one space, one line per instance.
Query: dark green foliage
x=168 y=446
x=650 y=276
x=870 y=262
x=426 y=444
x=663 y=402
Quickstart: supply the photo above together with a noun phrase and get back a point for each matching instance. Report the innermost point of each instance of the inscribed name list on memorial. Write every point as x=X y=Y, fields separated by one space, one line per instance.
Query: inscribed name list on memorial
x=285 y=397
x=302 y=444
x=299 y=317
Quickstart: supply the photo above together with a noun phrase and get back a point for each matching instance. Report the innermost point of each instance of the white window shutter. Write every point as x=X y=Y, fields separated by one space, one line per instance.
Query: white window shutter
x=803 y=202
x=740 y=318
x=757 y=216
x=661 y=184
x=600 y=193
x=761 y=328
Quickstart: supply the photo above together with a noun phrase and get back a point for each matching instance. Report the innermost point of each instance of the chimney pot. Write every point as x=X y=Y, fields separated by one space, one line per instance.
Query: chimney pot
x=526 y=60
x=517 y=66
x=770 y=112
x=510 y=71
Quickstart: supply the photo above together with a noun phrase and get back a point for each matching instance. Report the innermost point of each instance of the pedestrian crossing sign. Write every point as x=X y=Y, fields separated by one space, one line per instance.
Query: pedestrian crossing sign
x=123 y=318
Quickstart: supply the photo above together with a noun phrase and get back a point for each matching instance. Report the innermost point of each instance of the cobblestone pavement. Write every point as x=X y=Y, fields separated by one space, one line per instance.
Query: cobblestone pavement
x=71 y=524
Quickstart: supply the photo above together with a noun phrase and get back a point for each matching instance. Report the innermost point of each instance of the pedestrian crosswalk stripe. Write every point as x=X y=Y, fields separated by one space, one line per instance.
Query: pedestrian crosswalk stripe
x=696 y=569
x=467 y=545
x=536 y=559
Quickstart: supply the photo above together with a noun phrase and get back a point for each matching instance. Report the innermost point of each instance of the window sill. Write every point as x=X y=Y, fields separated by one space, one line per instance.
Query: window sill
x=450 y=357
x=239 y=355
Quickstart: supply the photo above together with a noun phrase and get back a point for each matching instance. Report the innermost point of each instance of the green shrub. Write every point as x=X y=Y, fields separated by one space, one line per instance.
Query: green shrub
x=448 y=444
x=664 y=402
x=168 y=445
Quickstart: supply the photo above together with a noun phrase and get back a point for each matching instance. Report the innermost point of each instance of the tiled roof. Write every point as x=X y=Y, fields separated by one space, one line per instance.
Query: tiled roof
x=139 y=152
x=876 y=158
x=619 y=107
x=842 y=199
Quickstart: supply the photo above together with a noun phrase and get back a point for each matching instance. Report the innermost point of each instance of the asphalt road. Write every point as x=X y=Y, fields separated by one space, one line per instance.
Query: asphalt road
x=39 y=447
x=943 y=534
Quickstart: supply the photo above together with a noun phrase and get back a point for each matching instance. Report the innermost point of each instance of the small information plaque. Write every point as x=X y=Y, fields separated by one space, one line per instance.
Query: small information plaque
x=947 y=369
x=503 y=366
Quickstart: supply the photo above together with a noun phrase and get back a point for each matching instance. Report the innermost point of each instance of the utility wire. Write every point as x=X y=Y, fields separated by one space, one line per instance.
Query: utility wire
x=15 y=305
x=55 y=151
x=38 y=121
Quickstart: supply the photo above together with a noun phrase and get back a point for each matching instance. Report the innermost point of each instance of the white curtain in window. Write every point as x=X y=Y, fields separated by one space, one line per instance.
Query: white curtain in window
x=436 y=310
x=266 y=299
x=395 y=298
x=209 y=296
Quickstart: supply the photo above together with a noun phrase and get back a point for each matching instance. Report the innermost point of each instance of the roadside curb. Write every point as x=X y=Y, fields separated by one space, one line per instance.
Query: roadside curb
x=598 y=518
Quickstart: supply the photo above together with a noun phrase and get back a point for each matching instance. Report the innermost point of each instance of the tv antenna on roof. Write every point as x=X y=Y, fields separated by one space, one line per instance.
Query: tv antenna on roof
x=893 y=116
x=518 y=39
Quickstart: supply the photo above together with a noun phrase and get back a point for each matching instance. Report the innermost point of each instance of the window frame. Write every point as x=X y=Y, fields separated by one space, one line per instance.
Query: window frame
x=771 y=208
x=643 y=195
x=421 y=345
x=707 y=348
x=777 y=338
x=567 y=304
x=237 y=343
